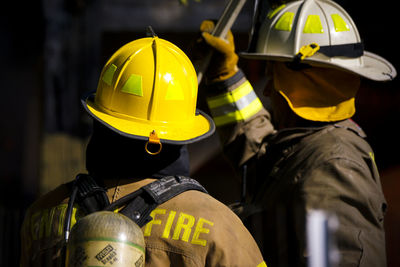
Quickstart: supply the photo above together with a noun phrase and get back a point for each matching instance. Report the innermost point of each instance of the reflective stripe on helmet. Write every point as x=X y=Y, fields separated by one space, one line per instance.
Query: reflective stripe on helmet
x=109 y=74
x=285 y=22
x=313 y=25
x=237 y=105
x=339 y=23
x=273 y=12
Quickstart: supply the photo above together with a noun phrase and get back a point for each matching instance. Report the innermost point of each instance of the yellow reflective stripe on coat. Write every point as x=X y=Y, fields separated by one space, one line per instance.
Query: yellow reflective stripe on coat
x=262 y=264
x=237 y=105
x=230 y=97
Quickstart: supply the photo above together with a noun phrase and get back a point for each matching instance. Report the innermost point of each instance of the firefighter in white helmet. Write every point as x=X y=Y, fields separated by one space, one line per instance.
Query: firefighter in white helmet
x=144 y=112
x=308 y=154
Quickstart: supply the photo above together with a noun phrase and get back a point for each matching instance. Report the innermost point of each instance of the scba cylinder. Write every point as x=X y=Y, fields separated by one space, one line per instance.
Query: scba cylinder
x=105 y=238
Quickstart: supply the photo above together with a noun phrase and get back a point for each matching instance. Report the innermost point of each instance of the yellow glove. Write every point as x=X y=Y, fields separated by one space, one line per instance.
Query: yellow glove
x=223 y=64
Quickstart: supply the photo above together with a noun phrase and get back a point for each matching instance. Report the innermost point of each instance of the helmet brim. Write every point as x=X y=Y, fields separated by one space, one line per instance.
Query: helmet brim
x=374 y=67
x=180 y=133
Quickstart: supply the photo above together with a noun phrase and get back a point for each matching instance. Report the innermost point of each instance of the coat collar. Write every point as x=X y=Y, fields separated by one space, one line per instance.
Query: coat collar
x=295 y=133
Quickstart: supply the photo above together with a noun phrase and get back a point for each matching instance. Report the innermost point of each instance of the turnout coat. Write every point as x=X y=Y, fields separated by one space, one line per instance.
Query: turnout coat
x=191 y=229
x=327 y=166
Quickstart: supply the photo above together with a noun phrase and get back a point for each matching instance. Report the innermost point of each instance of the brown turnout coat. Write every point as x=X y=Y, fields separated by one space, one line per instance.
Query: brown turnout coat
x=329 y=167
x=191 y=229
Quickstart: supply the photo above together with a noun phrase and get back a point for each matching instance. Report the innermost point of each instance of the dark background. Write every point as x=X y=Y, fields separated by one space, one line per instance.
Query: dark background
x=52 y=52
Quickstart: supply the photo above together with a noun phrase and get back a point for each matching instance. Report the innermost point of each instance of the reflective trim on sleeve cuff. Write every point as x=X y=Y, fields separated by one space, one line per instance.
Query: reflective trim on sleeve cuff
x=232 y=107
x=237 y=105
x=230 y=97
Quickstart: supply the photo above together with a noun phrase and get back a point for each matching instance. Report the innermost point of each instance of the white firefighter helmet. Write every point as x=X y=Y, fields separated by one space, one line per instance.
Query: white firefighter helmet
x=320 y=27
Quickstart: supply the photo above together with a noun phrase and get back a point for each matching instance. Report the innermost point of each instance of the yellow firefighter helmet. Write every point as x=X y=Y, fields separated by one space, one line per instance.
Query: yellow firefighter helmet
x=148 y=90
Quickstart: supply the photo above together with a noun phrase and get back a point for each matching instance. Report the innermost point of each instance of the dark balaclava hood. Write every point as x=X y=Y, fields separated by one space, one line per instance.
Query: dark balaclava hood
x=111 y=155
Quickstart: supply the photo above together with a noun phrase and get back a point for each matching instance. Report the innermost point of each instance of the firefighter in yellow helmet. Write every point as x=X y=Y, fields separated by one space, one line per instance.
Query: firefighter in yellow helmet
x=304 y=153
x=144 y=112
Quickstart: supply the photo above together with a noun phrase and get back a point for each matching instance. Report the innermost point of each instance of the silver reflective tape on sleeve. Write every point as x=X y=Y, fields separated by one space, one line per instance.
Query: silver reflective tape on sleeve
x=232 y=107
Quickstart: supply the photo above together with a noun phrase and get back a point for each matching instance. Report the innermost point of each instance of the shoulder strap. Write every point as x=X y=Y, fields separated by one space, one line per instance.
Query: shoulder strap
x=143 y=201
x=171 y=186
x=90 y=195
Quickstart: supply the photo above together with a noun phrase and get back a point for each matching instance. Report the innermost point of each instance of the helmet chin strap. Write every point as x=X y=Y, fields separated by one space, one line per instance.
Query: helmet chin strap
x=353 y=50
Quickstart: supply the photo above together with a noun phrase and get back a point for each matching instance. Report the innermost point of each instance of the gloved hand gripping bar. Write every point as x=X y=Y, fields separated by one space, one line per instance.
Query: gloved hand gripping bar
x=224 y=24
